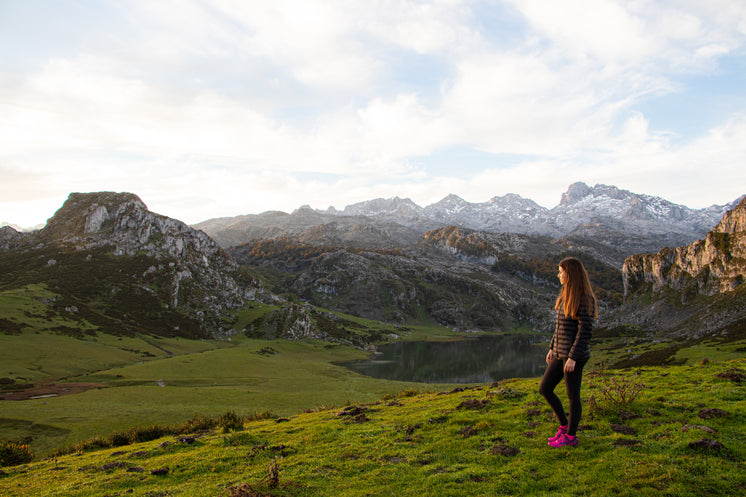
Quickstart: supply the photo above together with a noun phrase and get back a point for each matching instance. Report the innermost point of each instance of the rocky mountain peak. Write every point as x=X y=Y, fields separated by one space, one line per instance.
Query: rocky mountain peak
x=734 y=221
x=192 y=273
x=88 y=213
x=88 y=220
x=575 y=192
x=580 y=193
x=446 y=207
x=513 y=201
x=381 y=206
x=10 y=238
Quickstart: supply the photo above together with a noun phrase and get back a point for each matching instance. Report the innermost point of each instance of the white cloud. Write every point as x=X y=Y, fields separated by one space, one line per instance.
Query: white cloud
x=602 y=28
x=249 y=106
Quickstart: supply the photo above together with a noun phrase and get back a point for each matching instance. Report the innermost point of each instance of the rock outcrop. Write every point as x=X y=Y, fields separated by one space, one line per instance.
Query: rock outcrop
x=182 y=268
x=688 y=292
x=10 y=238
x=709 y=266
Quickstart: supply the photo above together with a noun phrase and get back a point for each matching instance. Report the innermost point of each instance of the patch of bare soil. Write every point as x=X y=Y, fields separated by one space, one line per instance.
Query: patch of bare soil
x=44 y=390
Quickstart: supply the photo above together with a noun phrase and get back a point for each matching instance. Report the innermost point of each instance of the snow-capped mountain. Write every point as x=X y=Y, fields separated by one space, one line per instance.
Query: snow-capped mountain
x=602 y=204
x=602 y=214
x=627 y=211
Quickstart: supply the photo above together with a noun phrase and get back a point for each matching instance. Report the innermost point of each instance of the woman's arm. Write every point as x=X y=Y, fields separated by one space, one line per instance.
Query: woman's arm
x=582 y=342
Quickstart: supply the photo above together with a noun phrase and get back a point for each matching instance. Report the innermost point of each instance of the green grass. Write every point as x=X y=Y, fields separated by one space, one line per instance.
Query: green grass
x=295 y=376
x=26 y=308
x=37 y=355
x=430 y=444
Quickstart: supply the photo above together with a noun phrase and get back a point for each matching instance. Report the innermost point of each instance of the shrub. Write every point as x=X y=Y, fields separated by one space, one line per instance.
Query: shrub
x=621 y=391
x=198 y=422
x=12 y=454
x=403 y=394
x=230 y=421
x=147 y=433
x=98 y=442
x=262 y=415
x=119 y=438
x=507 y=392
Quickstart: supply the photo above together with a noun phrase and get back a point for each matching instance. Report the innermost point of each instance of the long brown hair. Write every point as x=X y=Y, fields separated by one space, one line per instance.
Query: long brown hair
x=576 y=291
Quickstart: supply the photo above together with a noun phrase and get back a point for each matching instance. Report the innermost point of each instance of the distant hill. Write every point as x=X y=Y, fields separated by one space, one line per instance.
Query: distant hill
x=124 y=269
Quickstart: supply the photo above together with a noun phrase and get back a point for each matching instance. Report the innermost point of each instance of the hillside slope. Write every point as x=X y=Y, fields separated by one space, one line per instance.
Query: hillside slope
x=682 y=436
x=453 y=276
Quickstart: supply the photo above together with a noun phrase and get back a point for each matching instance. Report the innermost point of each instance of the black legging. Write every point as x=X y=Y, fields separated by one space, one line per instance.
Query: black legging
x=552 y=376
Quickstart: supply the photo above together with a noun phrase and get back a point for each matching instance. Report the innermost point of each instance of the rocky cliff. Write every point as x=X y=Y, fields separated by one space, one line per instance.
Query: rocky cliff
x=689 y=292
x=712 y=265
x=10 y=238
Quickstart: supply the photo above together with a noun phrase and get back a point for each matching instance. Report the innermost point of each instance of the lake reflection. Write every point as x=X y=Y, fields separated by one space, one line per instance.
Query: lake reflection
x=482 y=359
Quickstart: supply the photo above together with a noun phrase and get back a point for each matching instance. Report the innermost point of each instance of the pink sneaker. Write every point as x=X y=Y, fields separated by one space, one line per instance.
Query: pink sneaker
x=560 y=431
x=565 y=440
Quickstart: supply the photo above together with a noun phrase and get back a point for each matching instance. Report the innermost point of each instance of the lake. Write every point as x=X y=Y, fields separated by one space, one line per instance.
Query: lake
x=481 y=359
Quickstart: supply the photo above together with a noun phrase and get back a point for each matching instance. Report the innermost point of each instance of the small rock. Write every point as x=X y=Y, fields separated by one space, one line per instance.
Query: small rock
x=113 y=465
x=734 y=375
x=623 y=429
x=361 y=418
x=135 y=469
x=710 y=413
x=699 y=427
x=504 y=450
x=468 y=431
x=706 y=444
x=352 y=411
x=473 y=404
x=411 y=429
x=160 y=471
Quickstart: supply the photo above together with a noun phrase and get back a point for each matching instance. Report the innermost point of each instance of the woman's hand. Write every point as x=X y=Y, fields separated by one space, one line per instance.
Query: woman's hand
x=569 y=366
x=549 y=357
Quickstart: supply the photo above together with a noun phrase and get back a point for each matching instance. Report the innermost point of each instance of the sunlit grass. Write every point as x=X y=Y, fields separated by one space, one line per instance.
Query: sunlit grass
x=431 y=444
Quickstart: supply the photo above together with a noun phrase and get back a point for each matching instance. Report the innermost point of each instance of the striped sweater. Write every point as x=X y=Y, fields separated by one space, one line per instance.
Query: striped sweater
x=572 y=337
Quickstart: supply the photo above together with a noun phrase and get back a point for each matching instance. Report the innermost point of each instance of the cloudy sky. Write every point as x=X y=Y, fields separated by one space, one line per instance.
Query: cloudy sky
x=210 y=108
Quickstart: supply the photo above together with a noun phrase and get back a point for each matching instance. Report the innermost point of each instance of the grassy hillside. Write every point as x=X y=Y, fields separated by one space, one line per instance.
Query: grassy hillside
x=144 y=380
x=682 y=435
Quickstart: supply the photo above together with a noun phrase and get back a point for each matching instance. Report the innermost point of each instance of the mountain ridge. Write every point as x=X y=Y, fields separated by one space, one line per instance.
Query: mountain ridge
x=653 y=222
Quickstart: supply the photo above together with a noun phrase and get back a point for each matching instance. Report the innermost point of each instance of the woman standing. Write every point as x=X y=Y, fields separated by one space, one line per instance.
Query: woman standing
x=569 y=349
